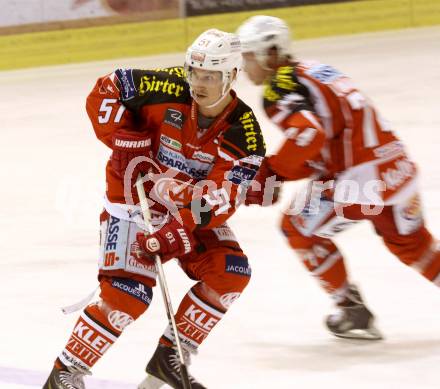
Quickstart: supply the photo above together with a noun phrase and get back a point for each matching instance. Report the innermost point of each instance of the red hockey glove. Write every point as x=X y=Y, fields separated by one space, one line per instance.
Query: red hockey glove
x=172 y=240
x=128 y=145
x=270 y=187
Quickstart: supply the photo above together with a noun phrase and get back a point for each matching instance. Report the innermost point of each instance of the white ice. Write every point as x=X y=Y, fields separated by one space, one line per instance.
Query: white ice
x=52 y=175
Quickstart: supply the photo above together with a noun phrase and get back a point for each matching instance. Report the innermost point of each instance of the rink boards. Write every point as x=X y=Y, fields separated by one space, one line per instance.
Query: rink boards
x=273 y=336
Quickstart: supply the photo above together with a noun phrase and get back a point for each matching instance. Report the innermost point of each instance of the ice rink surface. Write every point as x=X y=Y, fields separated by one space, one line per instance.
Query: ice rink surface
x=52 y=174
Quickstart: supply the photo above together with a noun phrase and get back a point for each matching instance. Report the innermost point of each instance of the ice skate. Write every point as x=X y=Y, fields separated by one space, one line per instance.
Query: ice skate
x=163 y=369
x=353 y=319
x=66 y=378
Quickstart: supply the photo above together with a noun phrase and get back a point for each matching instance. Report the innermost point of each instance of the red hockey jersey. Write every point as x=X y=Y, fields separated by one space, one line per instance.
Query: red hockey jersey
x=190 y=165
x=329 y=124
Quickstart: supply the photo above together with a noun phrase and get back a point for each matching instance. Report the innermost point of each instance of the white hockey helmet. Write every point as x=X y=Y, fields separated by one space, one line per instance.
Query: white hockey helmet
x=217 y=51
x=260 y=33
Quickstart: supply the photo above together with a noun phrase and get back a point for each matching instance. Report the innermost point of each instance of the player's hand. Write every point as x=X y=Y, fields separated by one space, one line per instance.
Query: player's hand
x=269 y=183
x=128 y=145
x=172 y=240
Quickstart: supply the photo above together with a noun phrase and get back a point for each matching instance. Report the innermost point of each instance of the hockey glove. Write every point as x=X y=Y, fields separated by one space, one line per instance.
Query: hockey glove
x=128 y=145
x=269 y=183
x=172 y=240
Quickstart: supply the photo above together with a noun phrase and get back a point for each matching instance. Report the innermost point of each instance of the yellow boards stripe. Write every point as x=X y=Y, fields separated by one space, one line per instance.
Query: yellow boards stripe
x=166 y=36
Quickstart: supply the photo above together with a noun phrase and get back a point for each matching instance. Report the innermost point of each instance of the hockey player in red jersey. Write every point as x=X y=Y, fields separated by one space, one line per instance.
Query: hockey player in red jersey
x=359 y=170
x=199 y=146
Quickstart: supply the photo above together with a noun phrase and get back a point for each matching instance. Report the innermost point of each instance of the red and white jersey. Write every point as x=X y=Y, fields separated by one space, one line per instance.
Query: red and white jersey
x=329 y=123
x=222 y=158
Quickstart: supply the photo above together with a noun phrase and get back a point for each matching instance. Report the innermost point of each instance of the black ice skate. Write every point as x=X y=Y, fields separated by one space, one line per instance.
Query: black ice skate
x=66 y=378
x=164 y=368
x=353 y=319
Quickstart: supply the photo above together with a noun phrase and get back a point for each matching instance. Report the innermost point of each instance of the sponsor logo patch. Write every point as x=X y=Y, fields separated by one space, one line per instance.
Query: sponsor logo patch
x=153 y=245
x=198 y=57
x=119 y=319
x=134 y=288
x=201 y=319
x=204 y=157
x=224 y=233
x=111 y=242
x=248 y=123
x=152 y=84
x=174 y=118
x=108 y=86
x=87 y=342
x=133 y=265
x=397 y=173
x=185 y=240
x=312 y=215
x=174 y=144
x=125 y=77
x=241 y=175
x=228 y=299
x=133 y=144
x=253 y=160
x=238 y=265
x=66 y=356
x=192 y=168
x=324 y=73
x=389 y=150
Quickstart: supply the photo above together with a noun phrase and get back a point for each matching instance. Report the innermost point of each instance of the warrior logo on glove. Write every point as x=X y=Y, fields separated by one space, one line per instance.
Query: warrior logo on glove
x=152 y=245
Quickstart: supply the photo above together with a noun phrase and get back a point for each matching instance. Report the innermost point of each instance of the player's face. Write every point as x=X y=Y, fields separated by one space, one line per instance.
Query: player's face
x=207 y=86
x=256 y=73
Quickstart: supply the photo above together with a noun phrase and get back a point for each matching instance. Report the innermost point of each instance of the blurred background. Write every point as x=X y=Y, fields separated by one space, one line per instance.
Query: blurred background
x=46 y=32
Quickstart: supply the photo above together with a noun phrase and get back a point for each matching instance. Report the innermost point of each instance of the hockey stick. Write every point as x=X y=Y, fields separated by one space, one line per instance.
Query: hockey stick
x=163 y=284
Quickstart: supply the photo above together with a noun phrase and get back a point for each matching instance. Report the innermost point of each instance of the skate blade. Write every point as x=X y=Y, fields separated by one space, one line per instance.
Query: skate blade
x=371 y=333
x=151 y=382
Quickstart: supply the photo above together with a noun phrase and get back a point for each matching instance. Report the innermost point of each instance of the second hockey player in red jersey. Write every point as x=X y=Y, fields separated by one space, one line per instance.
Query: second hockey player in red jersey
x=359 y=170
x=199 y=146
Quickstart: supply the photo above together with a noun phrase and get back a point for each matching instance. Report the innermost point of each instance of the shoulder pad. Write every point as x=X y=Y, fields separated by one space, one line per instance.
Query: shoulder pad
x=244 y=136
x=283 y=82
x=323 y=73
x=285 y=88
x=141 y=87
